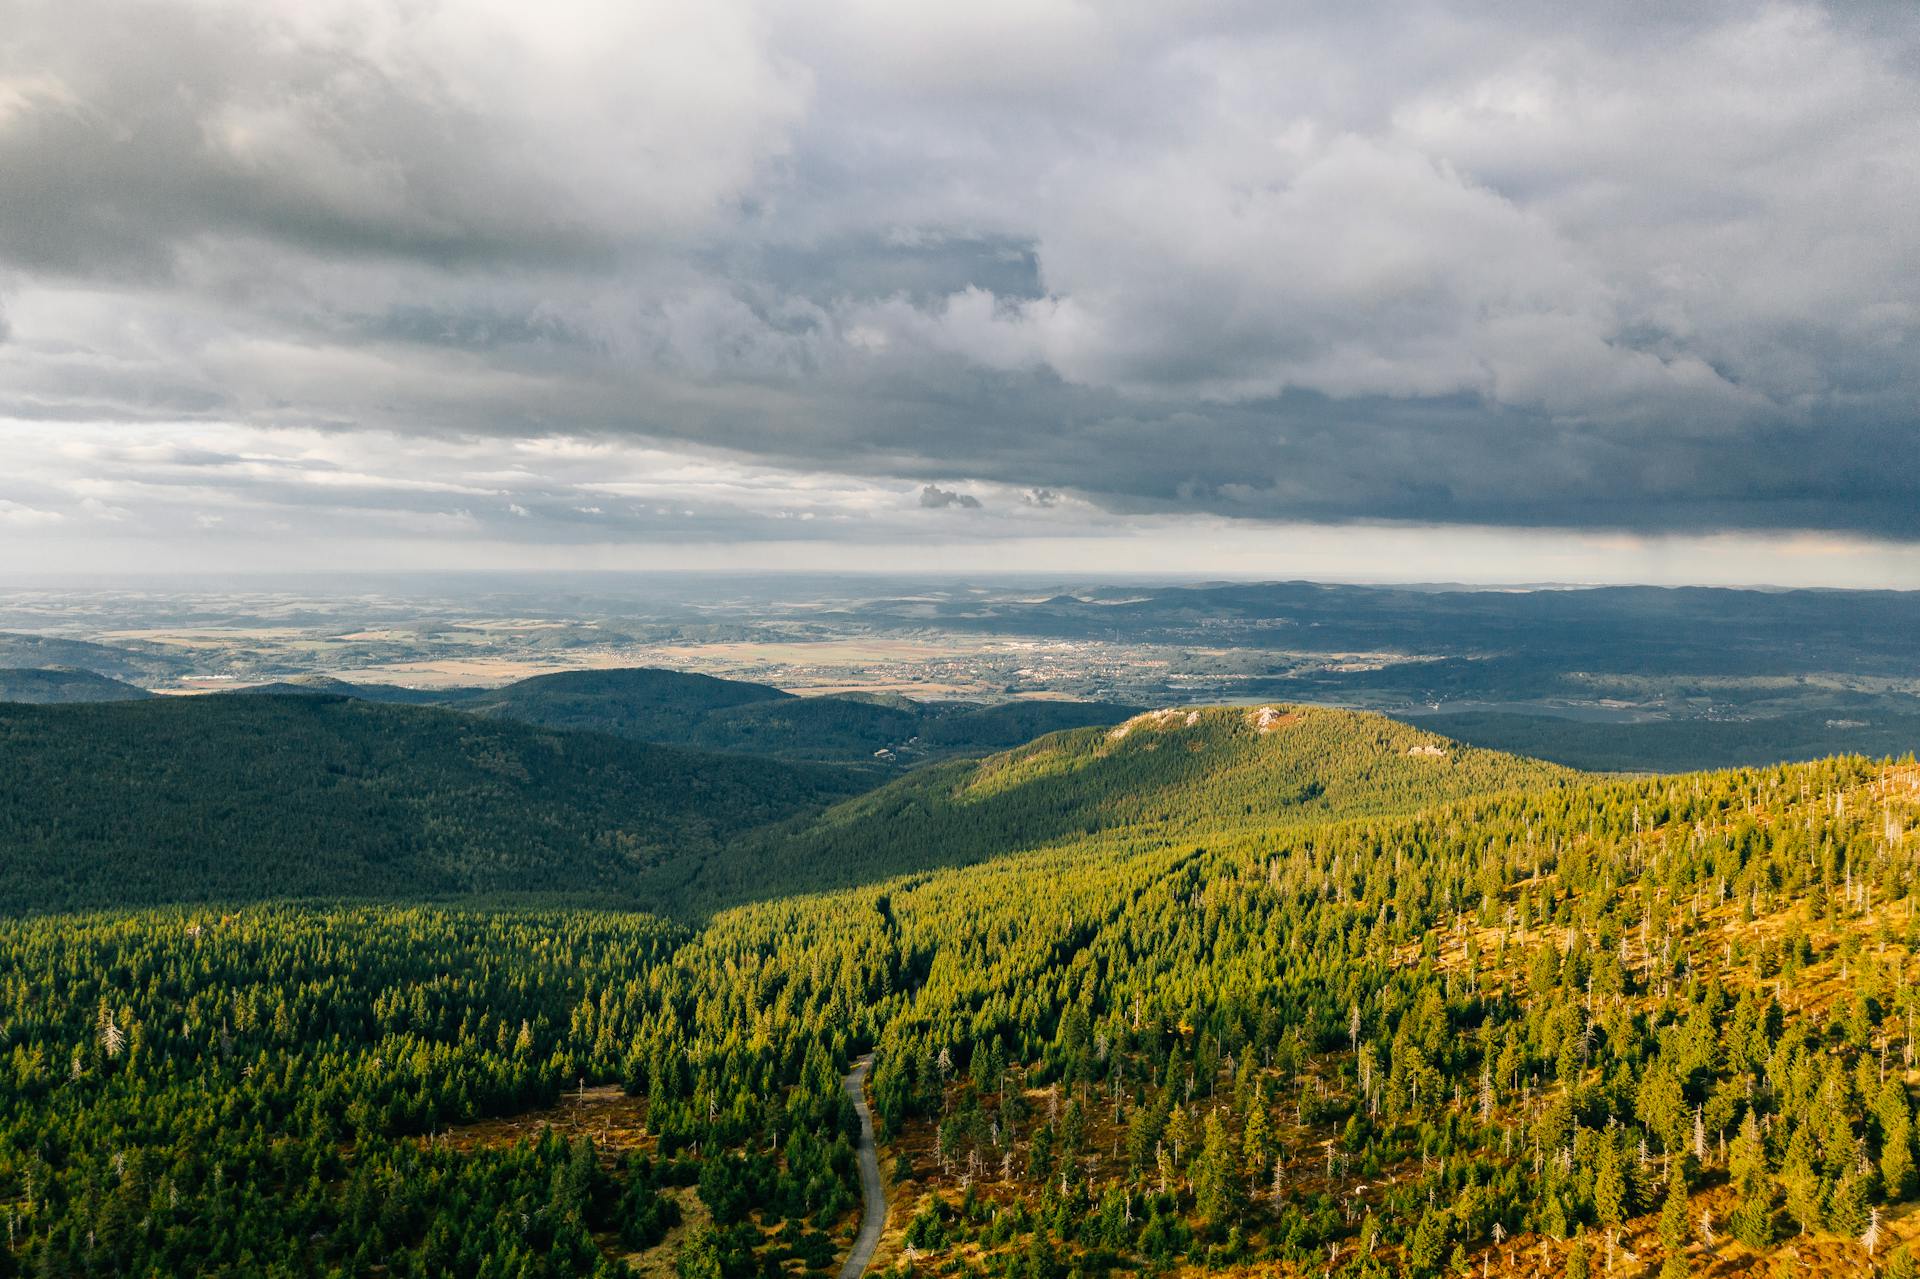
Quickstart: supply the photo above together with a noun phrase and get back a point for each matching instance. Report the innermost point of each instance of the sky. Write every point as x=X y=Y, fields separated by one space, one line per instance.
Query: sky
x=1477 y=292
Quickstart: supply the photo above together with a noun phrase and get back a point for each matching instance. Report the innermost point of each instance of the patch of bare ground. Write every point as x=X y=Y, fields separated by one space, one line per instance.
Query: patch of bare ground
x=615 y=1122
x=658 y=1261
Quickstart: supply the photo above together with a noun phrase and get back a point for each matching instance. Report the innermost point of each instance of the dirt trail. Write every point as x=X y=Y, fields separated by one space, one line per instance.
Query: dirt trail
x=873 y=1217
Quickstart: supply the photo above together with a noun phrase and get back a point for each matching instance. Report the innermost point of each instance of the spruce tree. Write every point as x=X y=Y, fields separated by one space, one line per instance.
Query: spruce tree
x=1891 y=1108
x=1747 y=1164
x=1217 y=1193
x=1676 y=1216
x=1578 y=1266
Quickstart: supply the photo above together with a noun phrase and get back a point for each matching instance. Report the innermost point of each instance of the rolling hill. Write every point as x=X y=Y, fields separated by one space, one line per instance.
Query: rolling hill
x=238 y=798
x=122 y=662
x=646 y=703
x=678 y=708
x=246 y=797
x=327 y=686
x=1274 y=962
x=1186 y=773
x=48 y=686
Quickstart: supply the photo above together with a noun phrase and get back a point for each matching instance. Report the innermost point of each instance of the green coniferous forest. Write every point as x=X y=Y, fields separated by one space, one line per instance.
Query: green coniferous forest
x=241 y=798
x=701 y=712
x=1274 y=991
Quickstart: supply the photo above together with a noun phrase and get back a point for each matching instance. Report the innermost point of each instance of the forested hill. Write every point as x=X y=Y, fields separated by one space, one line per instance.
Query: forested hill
x=643 y=702
x=229 y=798
x=326 y=685
x=61 y=684
x=679 y=708
x=1190 y=773
x=1648 y=1026
x=242 y=798
x=124 y=661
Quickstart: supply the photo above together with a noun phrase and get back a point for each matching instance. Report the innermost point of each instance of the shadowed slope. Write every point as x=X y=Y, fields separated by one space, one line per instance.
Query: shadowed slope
x=54 y=685
x=231 y=798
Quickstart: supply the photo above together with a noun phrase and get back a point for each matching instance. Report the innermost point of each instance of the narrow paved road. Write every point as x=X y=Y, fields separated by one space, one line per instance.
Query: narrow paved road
x=873 y=1217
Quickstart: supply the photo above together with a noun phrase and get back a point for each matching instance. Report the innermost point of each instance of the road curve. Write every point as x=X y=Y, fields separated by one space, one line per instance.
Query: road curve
x=873 y=1216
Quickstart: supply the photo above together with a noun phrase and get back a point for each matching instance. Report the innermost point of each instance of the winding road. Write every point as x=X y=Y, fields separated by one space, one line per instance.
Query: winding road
x=873 y=1216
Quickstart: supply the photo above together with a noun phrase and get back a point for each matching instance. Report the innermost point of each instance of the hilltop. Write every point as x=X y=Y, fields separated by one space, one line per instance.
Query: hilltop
x=327 y=686
x=635 y=701
x=1186 y=773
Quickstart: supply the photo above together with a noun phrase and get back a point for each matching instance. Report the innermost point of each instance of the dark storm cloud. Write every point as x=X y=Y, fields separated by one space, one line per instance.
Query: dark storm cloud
x=1646 y=267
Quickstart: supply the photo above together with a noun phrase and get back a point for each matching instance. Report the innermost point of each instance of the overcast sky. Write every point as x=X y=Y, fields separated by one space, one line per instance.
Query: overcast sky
x=1468 y=291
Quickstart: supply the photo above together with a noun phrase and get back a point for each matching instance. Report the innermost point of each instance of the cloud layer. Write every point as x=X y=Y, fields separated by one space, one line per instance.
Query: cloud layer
x=1045 y=265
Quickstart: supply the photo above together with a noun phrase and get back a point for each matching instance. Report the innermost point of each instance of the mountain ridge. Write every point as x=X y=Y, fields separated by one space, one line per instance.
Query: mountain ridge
x=1180 y=773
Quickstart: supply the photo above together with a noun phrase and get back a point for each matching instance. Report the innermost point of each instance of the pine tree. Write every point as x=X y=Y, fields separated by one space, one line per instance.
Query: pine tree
x=1805 y=1192
x=700 y=1257
x=1179 y=1134
x=1073 y=1129
x=1427 y=1244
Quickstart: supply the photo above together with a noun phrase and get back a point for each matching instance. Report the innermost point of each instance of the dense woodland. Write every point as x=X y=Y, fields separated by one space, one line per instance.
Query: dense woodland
x=232 y=799
x=1181 y=773
x=1448 y=1014
x=51 y=686
x=705 y=713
